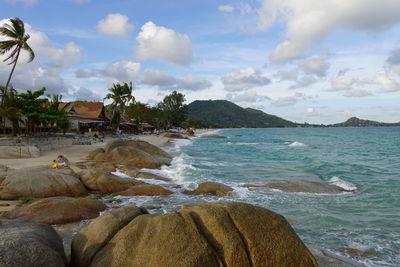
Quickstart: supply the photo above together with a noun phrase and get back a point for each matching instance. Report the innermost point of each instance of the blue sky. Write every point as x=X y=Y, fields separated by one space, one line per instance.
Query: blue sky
x=305 y=60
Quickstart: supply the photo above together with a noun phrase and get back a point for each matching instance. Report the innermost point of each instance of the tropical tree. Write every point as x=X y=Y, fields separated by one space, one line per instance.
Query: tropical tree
x=173 y=110
x=9 y=108
x=33 y=108
x=121 y=96
x=16 y=40
x=55 y=113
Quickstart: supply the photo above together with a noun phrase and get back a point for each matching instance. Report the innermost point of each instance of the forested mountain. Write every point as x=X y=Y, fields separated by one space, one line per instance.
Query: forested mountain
x=225 y=114
x=356 y=122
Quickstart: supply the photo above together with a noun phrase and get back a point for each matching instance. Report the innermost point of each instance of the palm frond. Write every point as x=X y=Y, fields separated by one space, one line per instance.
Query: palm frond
x=27 y=48
x=5 y=31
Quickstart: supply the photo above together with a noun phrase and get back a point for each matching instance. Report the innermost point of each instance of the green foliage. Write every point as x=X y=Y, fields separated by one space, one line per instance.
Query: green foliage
x=196 y=123
x=121 y=96
x=9 y=107
x=173 y=110
x=225 y=114
x=16 y=40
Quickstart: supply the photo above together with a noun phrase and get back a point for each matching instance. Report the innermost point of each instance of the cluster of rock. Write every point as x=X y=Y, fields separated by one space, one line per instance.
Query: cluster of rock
x=62 y=191
x=199 y=234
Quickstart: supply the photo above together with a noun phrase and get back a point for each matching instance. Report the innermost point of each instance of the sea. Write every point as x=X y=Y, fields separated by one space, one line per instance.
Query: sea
x=365 y=161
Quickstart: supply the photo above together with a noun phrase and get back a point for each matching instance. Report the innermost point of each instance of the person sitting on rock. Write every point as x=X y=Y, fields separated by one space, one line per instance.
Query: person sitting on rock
x=62 y=161
x=54 y=165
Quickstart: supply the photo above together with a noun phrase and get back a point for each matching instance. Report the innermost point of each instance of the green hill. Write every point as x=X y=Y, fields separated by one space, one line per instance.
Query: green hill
x=225 y=114
x=356 y=122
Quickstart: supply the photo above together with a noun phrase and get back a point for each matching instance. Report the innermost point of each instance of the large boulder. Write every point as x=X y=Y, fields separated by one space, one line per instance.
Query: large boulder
x=299 y=186
x=58 y=210
x=41 y=183
x=103 y=182
x=134 y=153
x=29 y=244
x=145 y=190
x=87 y=242
x=212 y=188
x=98 y=151
x=132 y=156
x=139 y=144
x=136 y=173
x=199 y=234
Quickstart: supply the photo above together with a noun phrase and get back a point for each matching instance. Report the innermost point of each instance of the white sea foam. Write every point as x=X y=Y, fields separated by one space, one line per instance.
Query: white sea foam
x=120 y=174
x=343 y=184
x=297 y=144
x=208 y=133
x=176 y=170
x=178 y=143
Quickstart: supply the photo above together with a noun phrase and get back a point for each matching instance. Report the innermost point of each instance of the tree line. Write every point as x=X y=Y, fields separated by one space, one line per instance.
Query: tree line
x=34 y=110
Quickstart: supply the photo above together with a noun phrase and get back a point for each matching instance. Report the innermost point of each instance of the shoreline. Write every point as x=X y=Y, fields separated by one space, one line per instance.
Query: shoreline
x=78 y=153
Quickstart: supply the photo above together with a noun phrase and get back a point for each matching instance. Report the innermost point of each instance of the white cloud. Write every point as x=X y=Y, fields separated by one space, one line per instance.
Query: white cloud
x=156 y=42
x=358 y=93
x=45 y=70
x=124 y=71
x=304 y=81
x=25 y=2
x=340 y=83
x=287 y=75
x=309 y=22
x=166 y=81
x=115 y=24
x=249 y=97
x=245 y=8
x=314 y=65
x=387 y=83
x=226 y=8
x=310 y=110
x=285 y=101
x=244 y=79
x=86 y=94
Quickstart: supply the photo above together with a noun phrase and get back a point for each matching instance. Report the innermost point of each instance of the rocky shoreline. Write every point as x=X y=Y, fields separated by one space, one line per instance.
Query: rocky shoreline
x=199 y=234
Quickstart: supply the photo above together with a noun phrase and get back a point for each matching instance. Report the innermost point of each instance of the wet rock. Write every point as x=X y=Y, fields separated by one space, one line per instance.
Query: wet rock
x=58 y=210
x=357 y=253
x=41 y=183
x=213 y=136
x=212 y=188
x=30 y=244
x=145 y=190
x=135 y=173
x=299 y=186
x=199 y=234
x=103 y=182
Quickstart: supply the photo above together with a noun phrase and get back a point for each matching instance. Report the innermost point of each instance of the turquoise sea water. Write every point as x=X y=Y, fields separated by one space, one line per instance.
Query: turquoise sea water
x=364 y=159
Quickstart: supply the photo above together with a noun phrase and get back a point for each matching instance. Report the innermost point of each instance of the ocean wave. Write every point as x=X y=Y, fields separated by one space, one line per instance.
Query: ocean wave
x=176 y=170
x=343 y=184
x=177 y=144
x=297 y=144
x=211 y=132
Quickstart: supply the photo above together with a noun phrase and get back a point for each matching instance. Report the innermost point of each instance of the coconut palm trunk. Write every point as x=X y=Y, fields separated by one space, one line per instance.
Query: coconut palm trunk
x=13 y=68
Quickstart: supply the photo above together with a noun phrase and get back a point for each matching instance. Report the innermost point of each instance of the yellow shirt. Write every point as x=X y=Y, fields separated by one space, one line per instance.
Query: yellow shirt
x=54 y=165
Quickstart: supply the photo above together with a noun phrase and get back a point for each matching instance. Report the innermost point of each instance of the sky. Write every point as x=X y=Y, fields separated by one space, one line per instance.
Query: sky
x=304 y=60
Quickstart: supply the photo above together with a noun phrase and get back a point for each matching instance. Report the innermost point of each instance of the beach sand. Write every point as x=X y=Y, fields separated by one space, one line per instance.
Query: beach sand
x=74 y=154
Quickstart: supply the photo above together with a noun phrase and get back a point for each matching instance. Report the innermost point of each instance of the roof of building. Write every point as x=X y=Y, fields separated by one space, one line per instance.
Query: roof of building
x=92 y=110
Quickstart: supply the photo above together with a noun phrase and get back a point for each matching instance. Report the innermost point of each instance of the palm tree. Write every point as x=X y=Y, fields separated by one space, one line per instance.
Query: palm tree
x=16 y=40
x=121 y=95
x=9 y=108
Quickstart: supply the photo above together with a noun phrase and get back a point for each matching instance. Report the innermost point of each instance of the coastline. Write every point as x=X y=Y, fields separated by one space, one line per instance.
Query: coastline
x=79 y=153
